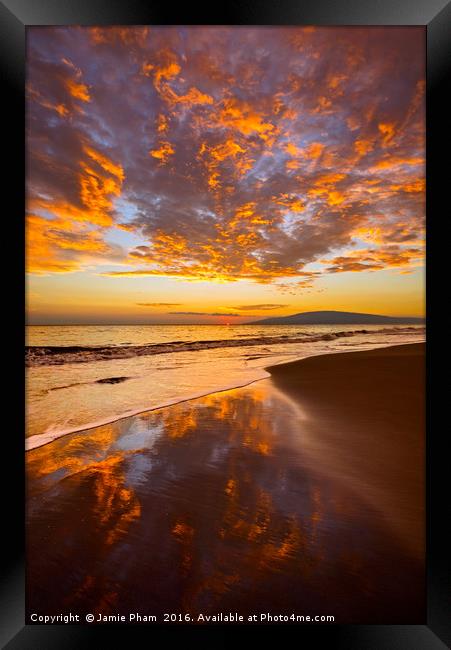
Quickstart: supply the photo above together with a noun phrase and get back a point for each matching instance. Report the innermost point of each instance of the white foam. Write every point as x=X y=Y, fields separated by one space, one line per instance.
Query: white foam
x=57 y=431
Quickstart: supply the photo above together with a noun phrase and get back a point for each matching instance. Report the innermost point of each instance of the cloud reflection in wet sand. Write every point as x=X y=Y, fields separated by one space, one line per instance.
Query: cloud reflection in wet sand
x=203 y=506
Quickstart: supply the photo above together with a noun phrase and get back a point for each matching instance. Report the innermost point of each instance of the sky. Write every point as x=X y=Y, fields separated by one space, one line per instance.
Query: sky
x=224 y=174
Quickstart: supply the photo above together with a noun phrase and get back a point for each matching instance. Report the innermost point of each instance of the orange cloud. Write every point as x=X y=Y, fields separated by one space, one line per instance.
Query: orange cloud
x=167 y=70
x=324 y=186
x=163 y=152
x=128 y=35
x=335 y=198
x=385 y=257
x=291 y=202
x=240 y=116
x=416 y=186
x=293 y=164
x=323 y=105
x=58 y=246
x=192 y=97
x=78 y=90
x=373 y=234
x=256 y=174
x=363 y=146
x=334 y=81
x=395 y=161
x=70 y=227
x=213 y=156
x=162 y=123
x=105 y=163
x=95 y=193
x=61 y=109
x=226 y=149
x=314 y=150
x=388 y=132
x=292 y=149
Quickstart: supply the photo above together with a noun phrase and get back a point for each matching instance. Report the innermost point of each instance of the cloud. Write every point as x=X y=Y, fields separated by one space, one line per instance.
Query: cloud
x=263 y=307
x=298 y=286
x=163 y=152
x=240 y=154
x=385 y=257
x=202 y=313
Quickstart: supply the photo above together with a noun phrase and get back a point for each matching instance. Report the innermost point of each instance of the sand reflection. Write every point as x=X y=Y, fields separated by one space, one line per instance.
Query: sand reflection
x=206 y=505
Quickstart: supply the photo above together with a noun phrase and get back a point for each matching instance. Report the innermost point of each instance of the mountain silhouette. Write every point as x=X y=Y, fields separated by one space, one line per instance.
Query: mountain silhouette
x=338 y=318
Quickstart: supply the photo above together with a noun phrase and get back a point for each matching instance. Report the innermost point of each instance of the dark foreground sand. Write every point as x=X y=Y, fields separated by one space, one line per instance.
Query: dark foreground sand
x=367 y=408
x=300 y=494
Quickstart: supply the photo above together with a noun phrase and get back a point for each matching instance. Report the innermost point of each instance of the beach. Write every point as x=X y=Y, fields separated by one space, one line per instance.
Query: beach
x=302 y=493
x=369 y=408
x=79 y=377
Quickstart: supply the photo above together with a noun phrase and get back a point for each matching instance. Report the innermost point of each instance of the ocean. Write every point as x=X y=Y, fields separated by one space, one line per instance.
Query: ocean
x=81 y=376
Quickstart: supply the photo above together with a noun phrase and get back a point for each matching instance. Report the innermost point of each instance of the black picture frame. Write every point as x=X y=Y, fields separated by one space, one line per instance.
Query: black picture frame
x=16 y=16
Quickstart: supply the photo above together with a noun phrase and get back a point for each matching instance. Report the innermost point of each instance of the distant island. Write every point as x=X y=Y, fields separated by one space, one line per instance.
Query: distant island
x=338 y=318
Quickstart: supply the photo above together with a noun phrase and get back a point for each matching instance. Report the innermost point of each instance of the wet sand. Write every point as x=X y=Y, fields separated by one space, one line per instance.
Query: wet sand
x=300 y=494
x=367 y=427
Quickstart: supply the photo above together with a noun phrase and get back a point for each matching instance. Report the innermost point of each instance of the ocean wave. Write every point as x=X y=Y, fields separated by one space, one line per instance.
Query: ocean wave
x=59 y=355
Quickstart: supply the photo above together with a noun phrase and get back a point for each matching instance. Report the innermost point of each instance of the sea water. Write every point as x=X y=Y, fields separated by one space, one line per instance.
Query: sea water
x=85 y=375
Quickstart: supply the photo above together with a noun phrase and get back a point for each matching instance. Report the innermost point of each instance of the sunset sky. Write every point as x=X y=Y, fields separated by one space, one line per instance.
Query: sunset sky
x=222 y=174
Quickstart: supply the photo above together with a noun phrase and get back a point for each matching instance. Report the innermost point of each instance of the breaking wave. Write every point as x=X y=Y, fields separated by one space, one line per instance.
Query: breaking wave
x=59 y=355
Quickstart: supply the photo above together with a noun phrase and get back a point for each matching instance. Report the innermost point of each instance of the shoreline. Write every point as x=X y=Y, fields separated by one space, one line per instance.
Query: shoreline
x=302 y=493
x=49 y=437
x=49 y=355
